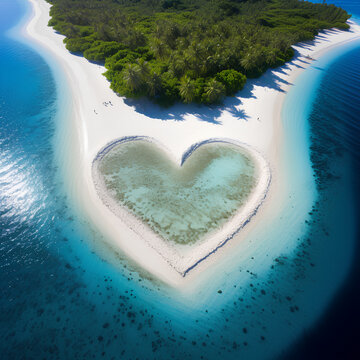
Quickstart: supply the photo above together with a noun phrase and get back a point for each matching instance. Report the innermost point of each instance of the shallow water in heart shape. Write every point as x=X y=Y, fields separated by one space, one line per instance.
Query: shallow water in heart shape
x=181 y=204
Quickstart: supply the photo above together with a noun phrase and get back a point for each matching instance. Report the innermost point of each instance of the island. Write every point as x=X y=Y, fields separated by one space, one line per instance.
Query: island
x=108 y=116
x=185 y=50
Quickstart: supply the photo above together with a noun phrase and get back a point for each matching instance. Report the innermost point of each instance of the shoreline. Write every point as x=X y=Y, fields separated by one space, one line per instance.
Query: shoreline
x=89 y=89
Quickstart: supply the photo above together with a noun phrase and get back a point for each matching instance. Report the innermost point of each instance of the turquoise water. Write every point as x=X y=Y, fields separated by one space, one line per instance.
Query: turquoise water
x=181 y=204
x=61 y=299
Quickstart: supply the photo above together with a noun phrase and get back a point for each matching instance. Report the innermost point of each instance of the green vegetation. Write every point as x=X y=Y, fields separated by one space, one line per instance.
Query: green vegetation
x=188 y=50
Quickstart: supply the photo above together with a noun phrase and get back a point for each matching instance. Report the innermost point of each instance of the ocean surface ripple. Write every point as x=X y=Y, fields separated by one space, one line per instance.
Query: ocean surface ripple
x=61 y=300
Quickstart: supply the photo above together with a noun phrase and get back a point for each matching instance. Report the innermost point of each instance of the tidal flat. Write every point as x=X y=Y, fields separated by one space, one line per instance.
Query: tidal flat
x=180 y=203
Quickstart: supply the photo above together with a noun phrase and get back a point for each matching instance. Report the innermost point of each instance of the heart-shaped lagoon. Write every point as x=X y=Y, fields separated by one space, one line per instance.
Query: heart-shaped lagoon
x=180 y=203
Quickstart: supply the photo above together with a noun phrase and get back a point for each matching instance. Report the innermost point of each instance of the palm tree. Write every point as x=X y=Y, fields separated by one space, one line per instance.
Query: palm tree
x=254 y=59
x=187 y=90
x=271 y=57
x=159 y=48
x=208 y=65
x=177 y=64
x=247 y=62
x=132 y=77
x=214 y=91
x=143 y=68
x=154 y=84
x=197 y=55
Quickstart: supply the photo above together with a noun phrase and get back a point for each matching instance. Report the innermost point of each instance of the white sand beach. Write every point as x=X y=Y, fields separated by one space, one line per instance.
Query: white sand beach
x=99 y=117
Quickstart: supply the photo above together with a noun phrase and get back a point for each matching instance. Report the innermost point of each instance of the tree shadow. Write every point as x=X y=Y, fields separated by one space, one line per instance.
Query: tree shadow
x=298 y=66
x=179 y=111
x=81 y=55
x=318 y=68
x=305 y=46
x=350 y=30
x=323 y=36
x=270 y=80
x=303 y=61
x=211 y=113
x=102 y=63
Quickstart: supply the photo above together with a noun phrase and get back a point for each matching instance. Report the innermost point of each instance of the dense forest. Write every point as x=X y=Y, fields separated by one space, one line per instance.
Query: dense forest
x=188 y=50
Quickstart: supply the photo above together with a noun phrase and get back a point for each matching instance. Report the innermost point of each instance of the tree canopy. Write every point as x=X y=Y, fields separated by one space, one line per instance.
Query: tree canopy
x=188 y=50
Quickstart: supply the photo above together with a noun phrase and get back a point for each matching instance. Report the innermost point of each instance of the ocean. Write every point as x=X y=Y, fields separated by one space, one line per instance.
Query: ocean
x=292 y=294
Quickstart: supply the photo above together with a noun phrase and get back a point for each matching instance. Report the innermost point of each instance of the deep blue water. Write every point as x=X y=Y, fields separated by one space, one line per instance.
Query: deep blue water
x=59 y=298
x=335 y=138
